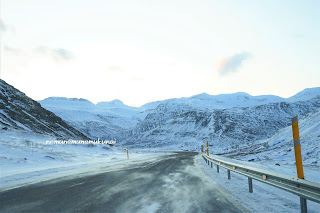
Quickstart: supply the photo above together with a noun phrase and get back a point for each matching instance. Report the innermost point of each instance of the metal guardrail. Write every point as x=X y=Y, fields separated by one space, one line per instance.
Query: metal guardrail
x=306 y=190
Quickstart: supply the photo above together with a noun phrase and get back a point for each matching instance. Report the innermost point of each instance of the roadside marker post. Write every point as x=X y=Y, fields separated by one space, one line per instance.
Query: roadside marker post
x=298 y=157
x=127 y=154
x=207 y=148
x=297 y=146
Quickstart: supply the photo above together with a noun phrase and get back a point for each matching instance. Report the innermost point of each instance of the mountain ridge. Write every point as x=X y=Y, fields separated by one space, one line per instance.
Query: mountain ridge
x=18 y=111
x=306 y=94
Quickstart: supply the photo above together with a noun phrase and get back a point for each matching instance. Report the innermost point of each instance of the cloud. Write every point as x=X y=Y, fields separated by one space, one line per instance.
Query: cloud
x=59 y=54
x=12 y=50
x=232 y=63
x=135 y=78
x=3 y=27
x=114 y=69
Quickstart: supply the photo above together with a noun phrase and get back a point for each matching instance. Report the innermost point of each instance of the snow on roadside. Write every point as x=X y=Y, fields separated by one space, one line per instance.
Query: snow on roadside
x=26 y=158
x=265 y=198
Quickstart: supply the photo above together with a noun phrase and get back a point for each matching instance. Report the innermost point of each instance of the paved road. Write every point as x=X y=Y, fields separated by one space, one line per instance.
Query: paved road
x=172 y=183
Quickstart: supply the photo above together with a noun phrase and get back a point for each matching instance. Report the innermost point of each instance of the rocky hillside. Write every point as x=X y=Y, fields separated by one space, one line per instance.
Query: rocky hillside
x=189 y=127
x=18 y=111
x=279 y=148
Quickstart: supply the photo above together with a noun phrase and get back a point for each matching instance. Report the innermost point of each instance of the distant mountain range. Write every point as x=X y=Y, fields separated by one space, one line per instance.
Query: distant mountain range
x=103 y=120
x=186 y=122
x=182 y=123
x=237 y=124
x=20 y=112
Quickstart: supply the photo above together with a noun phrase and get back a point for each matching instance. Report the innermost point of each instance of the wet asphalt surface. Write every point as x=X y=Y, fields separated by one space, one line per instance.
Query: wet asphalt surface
x=171 y=183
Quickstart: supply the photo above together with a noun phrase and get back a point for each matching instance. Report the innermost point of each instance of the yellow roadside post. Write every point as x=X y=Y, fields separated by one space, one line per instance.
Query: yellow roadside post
x=207 y=148
x=202 y=148
x=297 y=152
x=297 y=146
x=127 y=154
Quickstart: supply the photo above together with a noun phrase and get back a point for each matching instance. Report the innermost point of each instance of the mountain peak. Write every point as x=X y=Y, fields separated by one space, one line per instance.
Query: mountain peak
x=201 y=96
x=116 y=101
x=113 y=103
x=305 y=94
x=76 y=103
x=65 y=99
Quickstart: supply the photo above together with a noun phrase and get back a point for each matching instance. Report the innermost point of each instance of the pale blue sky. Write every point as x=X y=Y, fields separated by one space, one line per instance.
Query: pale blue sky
x=141 y=51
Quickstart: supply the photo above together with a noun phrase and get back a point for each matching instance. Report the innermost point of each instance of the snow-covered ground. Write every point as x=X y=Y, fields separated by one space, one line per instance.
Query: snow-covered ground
x=26 y=158
x=265 y=198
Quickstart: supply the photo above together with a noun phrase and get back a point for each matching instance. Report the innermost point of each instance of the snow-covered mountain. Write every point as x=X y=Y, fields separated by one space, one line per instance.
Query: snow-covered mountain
x=224 y=119
x=305 y=94
x=225 y=101
x=190 y=127
x=17 y=111
x=107 y=119
x=103 y=120
x=232 y=121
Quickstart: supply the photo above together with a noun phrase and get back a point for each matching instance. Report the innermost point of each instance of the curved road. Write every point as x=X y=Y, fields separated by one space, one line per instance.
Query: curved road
x=171 y=183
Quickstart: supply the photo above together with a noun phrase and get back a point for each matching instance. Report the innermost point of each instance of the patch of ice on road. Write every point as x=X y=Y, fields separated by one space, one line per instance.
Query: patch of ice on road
x=77 y=184
x=171 y=180
x=152 y=208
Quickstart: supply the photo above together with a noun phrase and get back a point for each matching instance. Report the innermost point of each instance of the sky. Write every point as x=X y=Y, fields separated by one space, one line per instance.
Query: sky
x=145 y=50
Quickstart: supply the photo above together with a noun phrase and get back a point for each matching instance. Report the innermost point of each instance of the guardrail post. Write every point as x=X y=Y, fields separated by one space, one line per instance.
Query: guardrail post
x=211 y=164
x=250 y=184
x=218 y=168
x=229 y=175
x=303 y=205
x=208 y=162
